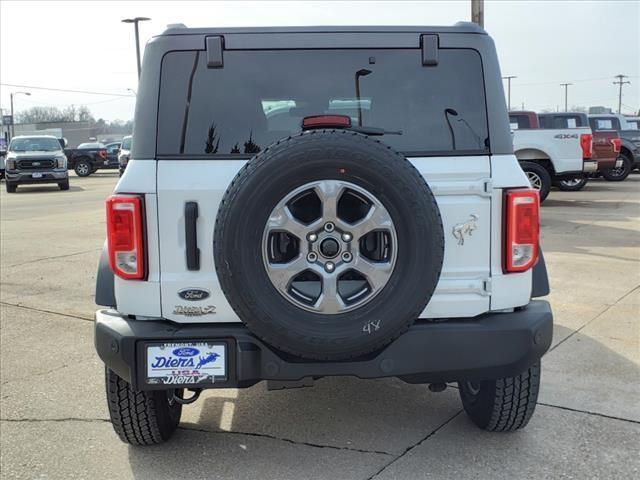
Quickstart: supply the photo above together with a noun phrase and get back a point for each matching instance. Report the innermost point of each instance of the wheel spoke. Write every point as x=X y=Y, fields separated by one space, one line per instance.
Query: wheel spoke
x=376 y=219
x=330 y=300
x=281 y=219
x=282 y=274
x=329 y=192
x=376 y=273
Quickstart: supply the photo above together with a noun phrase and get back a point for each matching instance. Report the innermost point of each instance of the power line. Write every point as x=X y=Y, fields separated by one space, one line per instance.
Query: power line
x=65 y=90
x=621 y=82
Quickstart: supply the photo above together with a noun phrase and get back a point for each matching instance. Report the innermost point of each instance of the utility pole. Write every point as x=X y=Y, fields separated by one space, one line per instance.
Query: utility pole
x=508 y=79
x=135 y=22
x=566 y=88
x=477 y=12
x=13 y=122
x=620 y=82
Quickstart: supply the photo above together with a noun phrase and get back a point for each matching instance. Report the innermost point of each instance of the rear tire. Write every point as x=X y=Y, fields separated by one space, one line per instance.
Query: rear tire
x=539 y=178
x=83 y=168
x=11 y=188
x=140 y=418
x=64 y=185
x=573 y=185
x=621 y=173
x=502 y=405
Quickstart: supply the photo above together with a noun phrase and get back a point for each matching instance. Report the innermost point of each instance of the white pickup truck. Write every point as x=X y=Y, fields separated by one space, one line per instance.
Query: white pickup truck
x=548 y=156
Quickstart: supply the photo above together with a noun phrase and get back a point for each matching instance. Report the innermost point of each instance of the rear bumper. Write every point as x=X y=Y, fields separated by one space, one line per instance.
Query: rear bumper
x=489 y=346
x=590 y=166
x=609 y=163
x=48 y=176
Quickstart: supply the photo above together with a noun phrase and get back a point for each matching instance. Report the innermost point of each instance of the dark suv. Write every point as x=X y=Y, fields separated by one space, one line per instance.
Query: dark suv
x=36 y=159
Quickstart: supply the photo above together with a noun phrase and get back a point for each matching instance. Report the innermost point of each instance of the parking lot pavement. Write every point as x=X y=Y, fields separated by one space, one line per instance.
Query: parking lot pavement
x=54 y=421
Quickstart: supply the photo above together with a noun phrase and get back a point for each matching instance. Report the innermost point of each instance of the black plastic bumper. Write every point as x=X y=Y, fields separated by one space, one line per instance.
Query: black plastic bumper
x=489 y=346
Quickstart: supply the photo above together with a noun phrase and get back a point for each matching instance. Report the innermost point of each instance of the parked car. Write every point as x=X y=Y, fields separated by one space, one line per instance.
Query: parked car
x=113 y=150
x=125 y=153
x=3 y=154
x=606 y=146
x=630 y=143
x=550 y=156
x=239 y=252
x=35 y=159
x=87 y=158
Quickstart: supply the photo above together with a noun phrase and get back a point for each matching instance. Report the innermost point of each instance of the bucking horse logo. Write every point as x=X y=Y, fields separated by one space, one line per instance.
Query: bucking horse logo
x=208 y=359
x=462 y=229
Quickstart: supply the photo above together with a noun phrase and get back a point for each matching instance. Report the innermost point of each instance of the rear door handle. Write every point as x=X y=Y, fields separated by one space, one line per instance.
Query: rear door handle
x=191 y=235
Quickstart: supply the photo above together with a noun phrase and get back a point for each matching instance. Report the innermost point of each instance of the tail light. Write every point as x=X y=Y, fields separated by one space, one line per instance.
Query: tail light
x=522 y=227
x=617 y=143
x=586 y=142
x=102 y=154
x=125 y=240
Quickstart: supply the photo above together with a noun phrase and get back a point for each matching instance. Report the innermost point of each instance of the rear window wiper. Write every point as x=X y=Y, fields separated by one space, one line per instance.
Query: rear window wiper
x=374 y=130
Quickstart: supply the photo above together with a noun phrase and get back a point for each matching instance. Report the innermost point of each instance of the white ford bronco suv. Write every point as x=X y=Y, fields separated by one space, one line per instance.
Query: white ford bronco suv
x=321 y=201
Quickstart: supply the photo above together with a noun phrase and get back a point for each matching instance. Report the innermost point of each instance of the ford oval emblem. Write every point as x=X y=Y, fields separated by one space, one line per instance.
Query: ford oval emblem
x=193 y=294
x=186 y=352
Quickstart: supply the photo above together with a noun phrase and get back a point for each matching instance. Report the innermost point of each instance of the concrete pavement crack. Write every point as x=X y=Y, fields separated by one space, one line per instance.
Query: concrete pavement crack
x=604 y=415
x=417 y=444
x=287 y=440
x=52 y=258
x=86 y=319
x=609 y=307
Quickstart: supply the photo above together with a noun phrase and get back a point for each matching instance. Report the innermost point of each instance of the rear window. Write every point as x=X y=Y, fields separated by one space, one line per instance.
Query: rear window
x=561 y=121
x=604 y=124
x=519 y=121
x=260 y=96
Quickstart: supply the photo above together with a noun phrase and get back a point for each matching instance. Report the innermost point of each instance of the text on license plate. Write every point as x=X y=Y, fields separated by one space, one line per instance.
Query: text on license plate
x=36 y=175
x=185 y=363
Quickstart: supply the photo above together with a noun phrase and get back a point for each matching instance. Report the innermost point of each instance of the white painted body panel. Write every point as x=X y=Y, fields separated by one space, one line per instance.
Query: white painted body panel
x=560 y=146
x=459 y=184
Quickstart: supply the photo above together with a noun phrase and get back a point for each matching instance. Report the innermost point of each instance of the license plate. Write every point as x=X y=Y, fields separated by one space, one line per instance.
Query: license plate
x=186 y=363
x=36 y=175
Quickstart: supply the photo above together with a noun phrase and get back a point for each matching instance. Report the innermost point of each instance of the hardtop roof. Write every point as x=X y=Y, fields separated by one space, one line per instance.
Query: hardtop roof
x=459 y=27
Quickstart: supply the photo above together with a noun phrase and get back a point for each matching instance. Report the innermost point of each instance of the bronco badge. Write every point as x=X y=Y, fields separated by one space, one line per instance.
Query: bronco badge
x=193 y=294
x=462 y=229
x=194 y=311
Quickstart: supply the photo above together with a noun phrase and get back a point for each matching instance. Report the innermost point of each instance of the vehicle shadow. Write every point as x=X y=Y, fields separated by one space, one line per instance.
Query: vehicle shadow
x=24 y=189
x=305 y=433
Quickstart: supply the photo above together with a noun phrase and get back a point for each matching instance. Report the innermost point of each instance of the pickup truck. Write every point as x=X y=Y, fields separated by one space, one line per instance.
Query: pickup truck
x=35 y=159
x=549 y=156
x=630 y=143
x=241 y=250
x=606 y=146
x=87 y=158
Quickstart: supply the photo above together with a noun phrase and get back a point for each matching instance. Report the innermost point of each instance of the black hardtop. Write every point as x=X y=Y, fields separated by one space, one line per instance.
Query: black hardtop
x=215 y=41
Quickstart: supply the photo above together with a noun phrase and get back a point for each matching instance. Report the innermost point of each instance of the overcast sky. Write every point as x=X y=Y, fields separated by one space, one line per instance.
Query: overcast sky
x=84 y=46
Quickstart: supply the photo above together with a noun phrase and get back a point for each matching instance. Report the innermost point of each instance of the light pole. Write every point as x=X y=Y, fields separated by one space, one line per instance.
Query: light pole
x=135 y=22
x=360 y=73
x=566 y=88
x=13 y=122
x=508 y=79
x=477 y=12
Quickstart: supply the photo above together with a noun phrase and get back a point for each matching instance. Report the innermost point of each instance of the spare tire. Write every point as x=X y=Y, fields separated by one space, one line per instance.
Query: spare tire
x=328 y=245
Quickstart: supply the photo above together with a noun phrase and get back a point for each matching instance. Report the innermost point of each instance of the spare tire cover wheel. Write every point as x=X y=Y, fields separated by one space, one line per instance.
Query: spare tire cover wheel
x=328 y=245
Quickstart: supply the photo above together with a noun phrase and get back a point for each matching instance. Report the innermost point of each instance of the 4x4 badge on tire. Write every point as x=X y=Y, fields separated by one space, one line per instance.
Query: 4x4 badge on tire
x=194 y=294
